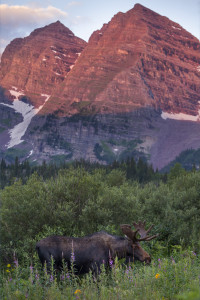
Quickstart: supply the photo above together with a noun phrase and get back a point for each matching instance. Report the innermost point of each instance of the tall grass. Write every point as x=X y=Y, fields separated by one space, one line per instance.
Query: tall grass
x=174 y=277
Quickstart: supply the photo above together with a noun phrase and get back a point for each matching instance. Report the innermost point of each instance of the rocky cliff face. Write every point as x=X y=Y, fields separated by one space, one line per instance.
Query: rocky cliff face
x=138 y=59
x=133 y=91
x=38 y=63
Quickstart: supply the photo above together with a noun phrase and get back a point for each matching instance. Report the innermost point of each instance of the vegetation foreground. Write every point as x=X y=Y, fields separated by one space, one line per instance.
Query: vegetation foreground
x=177 y=277
x=76 y=202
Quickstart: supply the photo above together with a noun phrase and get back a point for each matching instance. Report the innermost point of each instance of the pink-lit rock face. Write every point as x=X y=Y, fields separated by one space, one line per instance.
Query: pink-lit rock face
x=138 y=59
x=38 y=63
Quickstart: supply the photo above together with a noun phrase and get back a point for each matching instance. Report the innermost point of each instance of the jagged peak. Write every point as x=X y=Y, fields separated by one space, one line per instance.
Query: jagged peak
x=55 y=26
x=138 y=8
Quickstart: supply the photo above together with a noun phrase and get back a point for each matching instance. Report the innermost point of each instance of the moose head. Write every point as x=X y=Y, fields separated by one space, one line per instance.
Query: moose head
x=137 y=251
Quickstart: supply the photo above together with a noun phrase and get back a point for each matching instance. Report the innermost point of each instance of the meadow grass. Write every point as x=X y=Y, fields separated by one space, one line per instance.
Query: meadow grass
x=174 y=277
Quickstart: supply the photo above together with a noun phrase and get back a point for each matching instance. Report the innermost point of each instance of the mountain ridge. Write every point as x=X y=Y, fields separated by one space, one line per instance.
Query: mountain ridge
x=132 y=90
x=134 y=48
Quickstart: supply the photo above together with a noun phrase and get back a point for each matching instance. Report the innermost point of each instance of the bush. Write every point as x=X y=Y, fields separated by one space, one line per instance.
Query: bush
x=77 y=203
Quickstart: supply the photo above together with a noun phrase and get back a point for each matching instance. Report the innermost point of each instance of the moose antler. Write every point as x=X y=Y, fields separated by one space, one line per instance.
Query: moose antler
x=140 y=228
x=126 y=229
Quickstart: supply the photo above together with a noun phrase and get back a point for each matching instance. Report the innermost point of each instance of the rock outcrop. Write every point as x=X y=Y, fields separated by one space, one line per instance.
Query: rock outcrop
x=38 y=63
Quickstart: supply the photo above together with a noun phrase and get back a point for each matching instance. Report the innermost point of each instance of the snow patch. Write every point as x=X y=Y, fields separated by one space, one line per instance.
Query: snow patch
x=16 y=94
x=31 y=152
x=180 y=116
x=27 y=111
x=57 y=57
x=71 y=67
x=79 y=54
x=198 y=68
x=176 y=28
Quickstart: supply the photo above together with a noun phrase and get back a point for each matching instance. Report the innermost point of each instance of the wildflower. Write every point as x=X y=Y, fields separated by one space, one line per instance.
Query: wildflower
x=16 y=263
x=110 y=260
x=37 y=276
x=72 y=254
x=51 y=278
x=31 y=268
x=157 y=275
x=77 y=292
x=8 y=265
x=173 y=261
x=8 y=271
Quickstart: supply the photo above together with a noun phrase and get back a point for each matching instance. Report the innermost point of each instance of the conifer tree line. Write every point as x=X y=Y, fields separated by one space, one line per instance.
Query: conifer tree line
x=134 y=170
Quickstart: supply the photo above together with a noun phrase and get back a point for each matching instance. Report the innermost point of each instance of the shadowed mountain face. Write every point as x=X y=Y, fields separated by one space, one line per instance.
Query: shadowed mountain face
x=111 y=98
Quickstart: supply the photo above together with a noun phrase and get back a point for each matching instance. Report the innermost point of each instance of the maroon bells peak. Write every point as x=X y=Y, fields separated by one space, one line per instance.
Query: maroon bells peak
x=132 y=90
x=138 y=59
x=38 y=63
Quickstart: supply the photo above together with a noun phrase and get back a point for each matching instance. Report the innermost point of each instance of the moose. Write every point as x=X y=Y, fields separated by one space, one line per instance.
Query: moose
x=90 y=252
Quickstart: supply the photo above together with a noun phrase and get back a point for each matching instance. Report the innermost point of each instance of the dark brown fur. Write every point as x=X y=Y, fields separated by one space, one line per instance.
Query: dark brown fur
x=90 y=251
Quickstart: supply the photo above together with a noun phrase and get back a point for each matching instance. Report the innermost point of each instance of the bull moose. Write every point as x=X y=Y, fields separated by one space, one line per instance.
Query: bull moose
x=91 y=251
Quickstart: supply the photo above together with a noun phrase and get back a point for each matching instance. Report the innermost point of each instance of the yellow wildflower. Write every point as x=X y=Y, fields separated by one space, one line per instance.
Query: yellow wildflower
x=7 y=271
x=157 y=276
x=8 y=265
x=77 y=292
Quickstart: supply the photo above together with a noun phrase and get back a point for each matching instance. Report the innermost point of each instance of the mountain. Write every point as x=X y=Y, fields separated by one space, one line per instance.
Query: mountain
x=138 y=59
x=38 y=63
x=132 y=90
x=188 y=159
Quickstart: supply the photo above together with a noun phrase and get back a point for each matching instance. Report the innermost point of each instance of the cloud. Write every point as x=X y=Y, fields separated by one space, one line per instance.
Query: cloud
x=19 y=21
x=27 y=16
x=74 y=3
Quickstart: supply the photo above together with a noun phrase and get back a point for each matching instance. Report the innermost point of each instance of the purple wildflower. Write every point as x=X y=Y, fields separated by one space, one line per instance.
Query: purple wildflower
x=16 y=263
x=129 y=274
x=31 y=268
x=173 y=261
x=72 y=254
x=62 y=277
x=110 y=260
x=51 y=278
x=37 y=276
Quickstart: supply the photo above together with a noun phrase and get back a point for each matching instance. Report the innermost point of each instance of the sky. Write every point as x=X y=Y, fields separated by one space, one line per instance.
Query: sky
x=18 y=18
